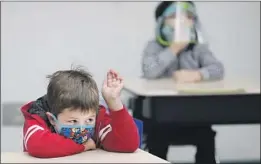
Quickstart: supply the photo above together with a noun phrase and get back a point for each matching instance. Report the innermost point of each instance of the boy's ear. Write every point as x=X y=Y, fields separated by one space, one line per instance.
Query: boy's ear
x=51 y=118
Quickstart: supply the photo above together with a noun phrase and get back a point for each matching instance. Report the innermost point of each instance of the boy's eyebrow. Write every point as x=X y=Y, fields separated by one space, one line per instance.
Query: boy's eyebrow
x=72 y=118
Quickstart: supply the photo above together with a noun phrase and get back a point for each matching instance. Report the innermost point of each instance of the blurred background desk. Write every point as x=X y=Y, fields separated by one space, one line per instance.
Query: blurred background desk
x=95 y=156
x=232 y=101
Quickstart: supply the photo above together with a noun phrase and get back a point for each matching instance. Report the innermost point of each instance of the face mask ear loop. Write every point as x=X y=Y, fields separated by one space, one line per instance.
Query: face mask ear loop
x=55 y=120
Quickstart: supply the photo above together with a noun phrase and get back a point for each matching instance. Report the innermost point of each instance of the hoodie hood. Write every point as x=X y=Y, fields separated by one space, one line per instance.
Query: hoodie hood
x=39 y=108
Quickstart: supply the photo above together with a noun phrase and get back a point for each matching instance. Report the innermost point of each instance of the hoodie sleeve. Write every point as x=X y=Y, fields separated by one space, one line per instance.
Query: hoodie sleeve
x=156 y=60
x=119 y=133
x=40 y=142
x=211 y=67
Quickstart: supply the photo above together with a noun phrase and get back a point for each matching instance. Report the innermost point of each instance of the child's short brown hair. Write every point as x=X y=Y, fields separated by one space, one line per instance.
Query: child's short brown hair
x=73 y=89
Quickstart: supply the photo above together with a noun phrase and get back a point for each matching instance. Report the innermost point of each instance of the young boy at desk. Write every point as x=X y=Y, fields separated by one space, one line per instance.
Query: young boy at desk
x=69 y=120
x=186 y=61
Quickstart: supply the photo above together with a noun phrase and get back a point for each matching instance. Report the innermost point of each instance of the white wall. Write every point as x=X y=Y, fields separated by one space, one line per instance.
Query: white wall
x=39 y=38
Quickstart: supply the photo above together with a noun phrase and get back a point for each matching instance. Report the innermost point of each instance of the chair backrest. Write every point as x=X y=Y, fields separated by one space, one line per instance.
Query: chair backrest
x=139 y=125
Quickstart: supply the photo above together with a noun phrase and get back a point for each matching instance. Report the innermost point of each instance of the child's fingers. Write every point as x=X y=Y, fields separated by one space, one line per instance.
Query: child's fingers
x=114 y=73
x=119 y=82
x=121 y=85
x=105 y=83
x=109 y=75
x=114 y=80
x=120 y=79
x=109 y=83
x=109 y=79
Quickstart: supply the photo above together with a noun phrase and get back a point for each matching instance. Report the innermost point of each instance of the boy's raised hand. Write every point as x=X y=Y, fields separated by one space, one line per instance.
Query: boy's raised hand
x=111 y=90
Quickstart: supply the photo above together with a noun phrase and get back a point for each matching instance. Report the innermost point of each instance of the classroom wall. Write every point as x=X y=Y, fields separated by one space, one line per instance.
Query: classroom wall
x=39 y=38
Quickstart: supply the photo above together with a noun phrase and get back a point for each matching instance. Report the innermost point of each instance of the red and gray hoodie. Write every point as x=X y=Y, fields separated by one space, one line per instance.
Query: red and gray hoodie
x=115 y=131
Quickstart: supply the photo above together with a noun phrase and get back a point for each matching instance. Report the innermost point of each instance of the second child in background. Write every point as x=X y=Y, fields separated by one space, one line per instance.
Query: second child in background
x=185 y=61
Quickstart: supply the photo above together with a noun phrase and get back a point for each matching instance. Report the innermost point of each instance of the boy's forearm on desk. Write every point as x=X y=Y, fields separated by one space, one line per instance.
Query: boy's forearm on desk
x=212 y=72
x=49 y=145
x=124 y=135
x=211 y=67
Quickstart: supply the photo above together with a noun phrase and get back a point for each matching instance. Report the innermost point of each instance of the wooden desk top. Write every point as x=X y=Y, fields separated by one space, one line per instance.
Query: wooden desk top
x=95 y=156
x=168 y=87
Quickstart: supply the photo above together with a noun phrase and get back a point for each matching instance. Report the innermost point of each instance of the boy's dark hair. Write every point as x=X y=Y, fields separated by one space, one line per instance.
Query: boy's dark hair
x=164 y=5
x=73 y=89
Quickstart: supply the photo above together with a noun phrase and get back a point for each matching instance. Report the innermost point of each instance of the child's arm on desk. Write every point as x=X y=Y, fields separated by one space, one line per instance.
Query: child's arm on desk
x=119 y=133
x=42 y=143
x=211 y=67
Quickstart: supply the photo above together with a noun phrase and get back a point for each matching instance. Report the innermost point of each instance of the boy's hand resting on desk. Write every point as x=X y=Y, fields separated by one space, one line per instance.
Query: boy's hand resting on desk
x=89 y=145
x=187 y=76
x=111 y=90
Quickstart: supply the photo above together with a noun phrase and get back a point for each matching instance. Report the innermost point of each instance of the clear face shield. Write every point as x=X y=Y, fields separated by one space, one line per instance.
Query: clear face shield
x=179 y=24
